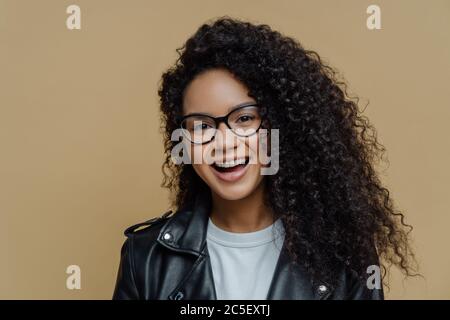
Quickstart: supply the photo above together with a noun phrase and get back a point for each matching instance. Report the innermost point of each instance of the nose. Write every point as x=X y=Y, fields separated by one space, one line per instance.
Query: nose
x=225 y=141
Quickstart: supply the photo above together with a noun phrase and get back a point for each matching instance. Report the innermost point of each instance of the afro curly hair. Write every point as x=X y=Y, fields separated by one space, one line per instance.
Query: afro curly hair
x=327 y=191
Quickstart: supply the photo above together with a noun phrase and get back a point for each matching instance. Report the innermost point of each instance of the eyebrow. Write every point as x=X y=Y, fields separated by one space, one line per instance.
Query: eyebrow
x=230 y=109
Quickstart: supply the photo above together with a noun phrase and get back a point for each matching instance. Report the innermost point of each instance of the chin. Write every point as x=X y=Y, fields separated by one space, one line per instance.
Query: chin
x=236 y=190
x=233 y=192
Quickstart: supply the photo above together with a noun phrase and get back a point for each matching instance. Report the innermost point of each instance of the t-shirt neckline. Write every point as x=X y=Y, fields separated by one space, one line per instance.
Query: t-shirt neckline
x=244 y=239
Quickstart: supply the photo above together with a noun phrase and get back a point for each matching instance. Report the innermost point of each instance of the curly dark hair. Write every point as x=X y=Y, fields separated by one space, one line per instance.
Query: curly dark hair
x=327 y=192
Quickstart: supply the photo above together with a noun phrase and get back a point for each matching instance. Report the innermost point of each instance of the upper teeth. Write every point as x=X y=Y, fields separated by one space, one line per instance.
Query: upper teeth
x=231 y=163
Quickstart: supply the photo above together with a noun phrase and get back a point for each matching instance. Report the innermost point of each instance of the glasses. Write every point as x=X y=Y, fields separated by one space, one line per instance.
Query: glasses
x=243 y=121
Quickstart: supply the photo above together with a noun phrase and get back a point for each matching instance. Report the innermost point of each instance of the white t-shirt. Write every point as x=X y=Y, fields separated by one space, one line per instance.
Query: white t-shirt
x=243 y=264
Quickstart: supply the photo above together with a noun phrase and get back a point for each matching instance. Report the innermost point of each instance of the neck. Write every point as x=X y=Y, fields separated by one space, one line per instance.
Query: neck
x=244 y=215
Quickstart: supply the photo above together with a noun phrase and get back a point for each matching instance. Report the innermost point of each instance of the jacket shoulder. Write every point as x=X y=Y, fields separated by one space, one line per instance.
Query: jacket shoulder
x=147 y=225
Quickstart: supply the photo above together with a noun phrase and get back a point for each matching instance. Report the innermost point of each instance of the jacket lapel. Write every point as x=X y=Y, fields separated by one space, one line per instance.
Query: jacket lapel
x=187 y=230
x=198 y=284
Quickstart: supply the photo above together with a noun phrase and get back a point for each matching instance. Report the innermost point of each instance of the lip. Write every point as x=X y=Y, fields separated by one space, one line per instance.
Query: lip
x=230 y=176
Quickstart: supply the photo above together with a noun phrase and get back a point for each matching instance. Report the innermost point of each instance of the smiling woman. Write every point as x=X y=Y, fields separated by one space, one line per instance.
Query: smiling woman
x=314 y=230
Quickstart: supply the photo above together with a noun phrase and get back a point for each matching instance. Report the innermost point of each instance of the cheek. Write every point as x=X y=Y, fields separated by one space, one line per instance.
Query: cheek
x=202 y=171
x=199 y=159
x=260 y=149
x=253 y=149
x=200 y=154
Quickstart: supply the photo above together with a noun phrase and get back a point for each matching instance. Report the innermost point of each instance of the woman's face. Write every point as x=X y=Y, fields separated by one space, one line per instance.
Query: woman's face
x=216 y=92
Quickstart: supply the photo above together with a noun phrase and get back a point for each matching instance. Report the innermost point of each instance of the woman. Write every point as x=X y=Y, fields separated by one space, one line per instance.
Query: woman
x=316 y=225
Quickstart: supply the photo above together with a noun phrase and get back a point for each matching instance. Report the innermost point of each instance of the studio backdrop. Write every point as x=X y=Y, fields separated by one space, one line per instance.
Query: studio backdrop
x=80 y=142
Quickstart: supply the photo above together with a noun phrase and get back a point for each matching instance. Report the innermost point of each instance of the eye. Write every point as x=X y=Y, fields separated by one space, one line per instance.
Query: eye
x=245 y=118
x=202 y=126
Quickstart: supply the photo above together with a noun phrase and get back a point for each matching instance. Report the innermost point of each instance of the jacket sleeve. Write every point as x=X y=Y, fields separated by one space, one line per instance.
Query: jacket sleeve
x=125 y=288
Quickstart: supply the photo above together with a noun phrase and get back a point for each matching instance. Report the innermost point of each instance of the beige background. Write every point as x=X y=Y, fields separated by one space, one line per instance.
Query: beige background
x=80 y=149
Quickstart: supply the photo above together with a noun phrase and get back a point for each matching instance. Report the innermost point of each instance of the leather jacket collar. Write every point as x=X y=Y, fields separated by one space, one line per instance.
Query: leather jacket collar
x=185 y=233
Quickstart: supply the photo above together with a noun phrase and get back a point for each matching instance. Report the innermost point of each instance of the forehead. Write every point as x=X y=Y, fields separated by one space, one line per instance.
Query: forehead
x=214 y=92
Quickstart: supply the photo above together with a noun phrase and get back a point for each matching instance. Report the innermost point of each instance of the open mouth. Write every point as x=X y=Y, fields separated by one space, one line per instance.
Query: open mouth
x=231 y=166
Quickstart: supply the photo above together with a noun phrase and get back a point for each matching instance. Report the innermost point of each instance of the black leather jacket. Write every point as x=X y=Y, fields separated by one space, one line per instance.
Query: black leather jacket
x=168 y=259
